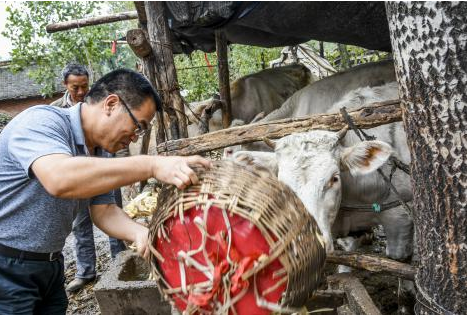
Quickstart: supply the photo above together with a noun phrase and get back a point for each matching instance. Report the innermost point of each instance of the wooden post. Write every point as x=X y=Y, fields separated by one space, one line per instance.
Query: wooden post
x=159 y=38
x=223 y=71
x=149 y=71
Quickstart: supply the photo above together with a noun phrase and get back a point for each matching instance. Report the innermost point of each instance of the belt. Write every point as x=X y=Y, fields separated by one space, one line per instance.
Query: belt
x=27 y=255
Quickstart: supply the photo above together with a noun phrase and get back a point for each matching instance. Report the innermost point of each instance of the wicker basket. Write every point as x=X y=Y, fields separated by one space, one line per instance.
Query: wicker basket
x=254 y=194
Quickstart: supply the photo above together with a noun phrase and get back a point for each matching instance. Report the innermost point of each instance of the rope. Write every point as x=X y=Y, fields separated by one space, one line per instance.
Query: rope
x=359 y=133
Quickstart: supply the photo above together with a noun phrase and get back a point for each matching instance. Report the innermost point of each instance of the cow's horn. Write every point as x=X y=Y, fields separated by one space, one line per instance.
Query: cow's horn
x=342 y=132
x=270 y=143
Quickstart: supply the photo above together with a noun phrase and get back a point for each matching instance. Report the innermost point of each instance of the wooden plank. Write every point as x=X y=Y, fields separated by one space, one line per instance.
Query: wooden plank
x=96 y=20
x=370 y=116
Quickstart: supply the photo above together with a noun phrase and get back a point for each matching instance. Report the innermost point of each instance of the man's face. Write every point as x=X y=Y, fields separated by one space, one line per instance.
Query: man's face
x=77 y=86
x=120 y=128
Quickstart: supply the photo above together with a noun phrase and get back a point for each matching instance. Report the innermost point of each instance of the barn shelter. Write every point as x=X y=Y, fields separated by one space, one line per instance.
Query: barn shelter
x=273 y=24
x=199 y=25
x=432 y=83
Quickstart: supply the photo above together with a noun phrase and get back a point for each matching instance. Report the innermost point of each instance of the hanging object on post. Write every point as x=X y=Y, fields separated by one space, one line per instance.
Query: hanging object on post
x=114 y=47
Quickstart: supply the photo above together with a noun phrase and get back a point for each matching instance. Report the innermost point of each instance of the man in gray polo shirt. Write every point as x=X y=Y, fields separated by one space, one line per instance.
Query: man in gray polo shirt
x=53 y=162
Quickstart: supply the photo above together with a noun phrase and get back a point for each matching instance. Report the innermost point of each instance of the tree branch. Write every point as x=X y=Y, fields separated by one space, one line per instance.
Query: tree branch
x=73 y=24
x=370 y=116
x=373 y=264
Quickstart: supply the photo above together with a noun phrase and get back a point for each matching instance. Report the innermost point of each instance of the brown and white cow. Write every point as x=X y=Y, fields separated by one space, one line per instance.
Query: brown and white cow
x=263 y=91
x=328 y=170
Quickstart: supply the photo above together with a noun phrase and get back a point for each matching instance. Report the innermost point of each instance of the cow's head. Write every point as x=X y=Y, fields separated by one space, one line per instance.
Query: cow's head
x=311 y=164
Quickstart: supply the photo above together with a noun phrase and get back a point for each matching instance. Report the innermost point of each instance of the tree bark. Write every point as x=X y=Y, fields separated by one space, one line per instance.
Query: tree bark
x=224 y=82
x=159 y=38
x=430 y=51
x=96 y=20
x=367 y=117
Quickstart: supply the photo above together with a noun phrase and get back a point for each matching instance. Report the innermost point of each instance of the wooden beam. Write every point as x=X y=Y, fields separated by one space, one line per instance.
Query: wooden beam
x=138 y=43
x=373 y=264
x=224 y=83
x=160 y=41
x=373 y=115
x=359 y=301
x=73 y=24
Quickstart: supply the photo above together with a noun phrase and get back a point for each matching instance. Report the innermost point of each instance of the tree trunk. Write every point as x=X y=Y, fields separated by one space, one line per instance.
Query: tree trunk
x=159 y=38
x=430 y=50
x=149 y=71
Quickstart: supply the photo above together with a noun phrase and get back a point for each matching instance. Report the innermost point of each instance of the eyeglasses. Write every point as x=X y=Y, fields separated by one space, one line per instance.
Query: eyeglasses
x=139 y=131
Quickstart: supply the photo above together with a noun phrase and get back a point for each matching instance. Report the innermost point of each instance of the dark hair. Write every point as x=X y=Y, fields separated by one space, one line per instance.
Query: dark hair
x=129 y=85
x=74 y=69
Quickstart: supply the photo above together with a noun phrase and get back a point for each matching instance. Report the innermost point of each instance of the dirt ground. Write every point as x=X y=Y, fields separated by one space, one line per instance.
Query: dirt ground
x=84 y=301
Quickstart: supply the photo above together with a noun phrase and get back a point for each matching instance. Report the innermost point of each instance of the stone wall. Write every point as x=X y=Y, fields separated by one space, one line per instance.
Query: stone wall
x=20 y=86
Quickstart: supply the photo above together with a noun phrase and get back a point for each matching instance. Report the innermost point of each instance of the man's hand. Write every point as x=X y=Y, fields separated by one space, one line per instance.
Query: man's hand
x=141 y=242
x=177 y=170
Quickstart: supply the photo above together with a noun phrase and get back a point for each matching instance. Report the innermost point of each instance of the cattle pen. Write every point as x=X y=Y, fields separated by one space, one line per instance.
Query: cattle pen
x=432 y=107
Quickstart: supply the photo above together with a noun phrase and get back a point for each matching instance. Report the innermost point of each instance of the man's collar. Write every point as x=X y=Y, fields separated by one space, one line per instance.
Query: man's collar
x=68 y=100
x=76 y=127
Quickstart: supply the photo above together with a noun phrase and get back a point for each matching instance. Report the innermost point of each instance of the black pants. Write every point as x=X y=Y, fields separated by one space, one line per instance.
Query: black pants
x=32 y=287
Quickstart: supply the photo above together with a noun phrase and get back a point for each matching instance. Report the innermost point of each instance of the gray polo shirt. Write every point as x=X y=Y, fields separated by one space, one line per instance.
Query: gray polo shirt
x=30 y=218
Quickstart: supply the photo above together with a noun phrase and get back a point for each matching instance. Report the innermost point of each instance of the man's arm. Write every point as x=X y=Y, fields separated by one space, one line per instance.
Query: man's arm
x=113 y=221
x=64 y=176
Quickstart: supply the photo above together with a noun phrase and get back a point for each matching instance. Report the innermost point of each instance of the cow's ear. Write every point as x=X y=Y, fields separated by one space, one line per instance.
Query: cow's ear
x=365 y=157
x=258 y=158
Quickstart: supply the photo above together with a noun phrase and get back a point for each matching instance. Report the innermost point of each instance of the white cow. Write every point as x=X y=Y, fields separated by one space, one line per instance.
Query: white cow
x=263 y=91
x=320 y=96
x=328 y=170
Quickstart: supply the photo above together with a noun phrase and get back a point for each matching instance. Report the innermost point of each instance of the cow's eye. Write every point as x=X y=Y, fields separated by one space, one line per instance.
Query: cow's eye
x=334 y=180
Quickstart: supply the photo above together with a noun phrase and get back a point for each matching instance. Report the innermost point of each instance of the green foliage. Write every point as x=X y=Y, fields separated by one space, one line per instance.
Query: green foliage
x=200 y=82
x=49 y=53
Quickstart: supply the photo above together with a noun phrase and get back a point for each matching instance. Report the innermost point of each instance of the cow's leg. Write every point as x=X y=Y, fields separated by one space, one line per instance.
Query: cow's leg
x=398 y=227
x=348 y=244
